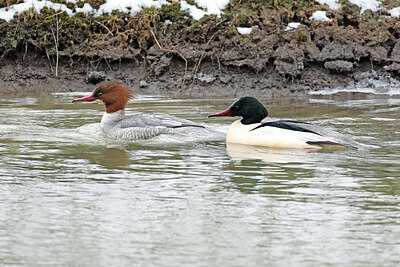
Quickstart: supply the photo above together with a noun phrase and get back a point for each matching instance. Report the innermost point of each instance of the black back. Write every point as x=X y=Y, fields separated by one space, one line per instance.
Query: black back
x=287 y=124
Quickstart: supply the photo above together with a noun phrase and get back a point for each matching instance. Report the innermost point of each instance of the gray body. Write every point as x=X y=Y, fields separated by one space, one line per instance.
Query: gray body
x=145 y=126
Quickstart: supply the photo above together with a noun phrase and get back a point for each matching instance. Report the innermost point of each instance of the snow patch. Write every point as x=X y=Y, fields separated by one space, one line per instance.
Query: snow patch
x=333 y=4
x=132 y=7
x=320 y=15
x=87 y=9
x=213 y=6
x=373 y=5
x=209 y=7
x=244 y=31
x=292 y=26
x=7 y=13
x=395 y=12
x=207 y=78
x=195 y=12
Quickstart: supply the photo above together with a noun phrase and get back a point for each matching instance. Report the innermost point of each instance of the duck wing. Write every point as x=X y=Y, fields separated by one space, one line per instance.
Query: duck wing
x=159 y=120
x=145 y=126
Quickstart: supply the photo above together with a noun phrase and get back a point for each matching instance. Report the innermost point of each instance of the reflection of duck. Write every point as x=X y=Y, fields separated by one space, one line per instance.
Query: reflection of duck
x=246 y=152
x=278 y=134
x=106 y=156
x=112 y=158
x=140 y=126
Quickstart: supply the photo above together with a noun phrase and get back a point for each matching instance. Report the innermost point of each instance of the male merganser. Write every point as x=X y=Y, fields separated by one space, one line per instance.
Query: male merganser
x=135 y=127
x=250 y=130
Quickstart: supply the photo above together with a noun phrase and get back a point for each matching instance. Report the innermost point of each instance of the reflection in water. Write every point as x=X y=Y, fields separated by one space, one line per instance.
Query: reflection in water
x=243 y=152
x=71 y=196
x=107 y=156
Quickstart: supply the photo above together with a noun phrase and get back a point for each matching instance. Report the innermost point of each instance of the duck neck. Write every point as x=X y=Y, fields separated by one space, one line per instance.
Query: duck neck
x=254 y=117
x=251 y=120
x=114 y=107
x=112 y=118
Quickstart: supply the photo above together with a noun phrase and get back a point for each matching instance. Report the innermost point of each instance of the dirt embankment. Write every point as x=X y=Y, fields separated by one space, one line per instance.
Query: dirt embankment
x=206 y=58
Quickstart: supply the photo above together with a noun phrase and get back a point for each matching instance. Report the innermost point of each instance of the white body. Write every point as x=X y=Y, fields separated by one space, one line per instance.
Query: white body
x=272 y=137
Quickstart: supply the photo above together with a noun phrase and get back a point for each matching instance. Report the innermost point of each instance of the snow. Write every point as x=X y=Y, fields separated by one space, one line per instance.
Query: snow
x=320 y=15
x=333 y=4
x=132 y=7
x=373 y=5
x=292 y=26
x=244 y=31
x=8 y=13
x=213 y=6
x=209 y=7
x=395 y=12
x=87 y=9
x=193 y=10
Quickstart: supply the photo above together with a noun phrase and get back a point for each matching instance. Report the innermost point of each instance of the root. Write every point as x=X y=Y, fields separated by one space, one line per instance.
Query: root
x=197 y=65
x=56 y=41
x=105 y=27
x=171 y=51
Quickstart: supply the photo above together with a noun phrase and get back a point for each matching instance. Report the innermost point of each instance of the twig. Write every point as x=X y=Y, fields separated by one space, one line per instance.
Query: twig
x=219 y=65
x=196 y=67
x=48 y=57
x=56 y=43
x=171 y=51
x=26 y=51
x=4 y=54
x=105 y=27
x=54 y=14
x=98 y=63
x=108 y=64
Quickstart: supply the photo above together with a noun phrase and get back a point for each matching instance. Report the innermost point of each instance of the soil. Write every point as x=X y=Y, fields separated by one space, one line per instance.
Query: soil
x=278 y=76
x=269 y=62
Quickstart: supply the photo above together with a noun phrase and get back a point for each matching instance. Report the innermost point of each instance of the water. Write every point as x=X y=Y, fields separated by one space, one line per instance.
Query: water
x=69 y=196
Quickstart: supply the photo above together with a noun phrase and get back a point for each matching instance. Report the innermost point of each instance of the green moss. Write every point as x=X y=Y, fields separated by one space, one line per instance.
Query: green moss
x=7 y=3
x=349 y=9
x=173 y=13
x=301 y=36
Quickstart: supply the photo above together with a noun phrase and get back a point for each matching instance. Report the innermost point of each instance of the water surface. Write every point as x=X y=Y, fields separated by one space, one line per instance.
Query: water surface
x=71 y=196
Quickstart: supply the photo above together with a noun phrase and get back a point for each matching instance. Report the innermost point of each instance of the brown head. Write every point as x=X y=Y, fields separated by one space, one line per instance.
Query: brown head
x=114 y=95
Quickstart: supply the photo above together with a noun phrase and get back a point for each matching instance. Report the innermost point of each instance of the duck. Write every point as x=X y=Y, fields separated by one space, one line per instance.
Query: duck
x=117 y=125
x=253 y=130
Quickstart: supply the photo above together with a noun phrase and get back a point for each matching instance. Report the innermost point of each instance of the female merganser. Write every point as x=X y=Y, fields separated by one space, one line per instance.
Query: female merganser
x=135 y=127
x=250 y=130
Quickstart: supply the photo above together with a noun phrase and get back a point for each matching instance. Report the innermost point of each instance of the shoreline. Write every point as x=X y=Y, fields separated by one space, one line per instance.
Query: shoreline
x=248 y=50
x=34 y=77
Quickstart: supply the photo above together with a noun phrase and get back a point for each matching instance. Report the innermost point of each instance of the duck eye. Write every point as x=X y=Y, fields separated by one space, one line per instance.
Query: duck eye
x=99 y=94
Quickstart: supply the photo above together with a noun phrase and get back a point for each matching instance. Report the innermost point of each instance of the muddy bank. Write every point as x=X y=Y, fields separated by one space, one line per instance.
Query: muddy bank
x=206 y=58
x=284 y=72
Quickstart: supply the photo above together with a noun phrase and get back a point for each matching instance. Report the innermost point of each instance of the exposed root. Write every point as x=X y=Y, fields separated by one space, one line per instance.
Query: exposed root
x=172 y=51
x=197 y=65
x=56 y=42
x=104 y=26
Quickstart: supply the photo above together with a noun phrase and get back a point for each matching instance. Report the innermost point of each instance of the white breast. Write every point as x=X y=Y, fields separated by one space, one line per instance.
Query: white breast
x=269 y=136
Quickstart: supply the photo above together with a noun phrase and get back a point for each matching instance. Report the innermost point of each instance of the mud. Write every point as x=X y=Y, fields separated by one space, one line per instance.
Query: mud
x=241 y=71
x=212 y=59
